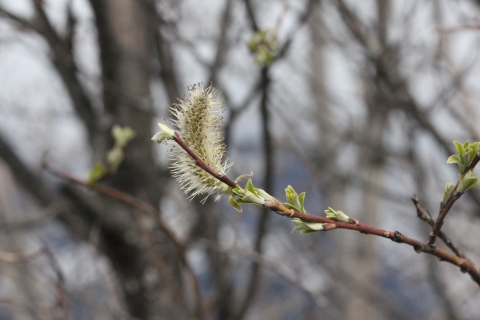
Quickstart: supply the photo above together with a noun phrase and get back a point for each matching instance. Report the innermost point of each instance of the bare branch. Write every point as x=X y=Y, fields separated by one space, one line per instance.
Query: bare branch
x=147 y=208
x=427 y=217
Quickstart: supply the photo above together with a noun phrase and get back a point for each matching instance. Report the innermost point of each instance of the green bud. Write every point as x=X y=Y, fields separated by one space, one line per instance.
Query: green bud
x=122 y=136
x=447 y=193
x=164 y=133
x=337 y=215
x=306 y=227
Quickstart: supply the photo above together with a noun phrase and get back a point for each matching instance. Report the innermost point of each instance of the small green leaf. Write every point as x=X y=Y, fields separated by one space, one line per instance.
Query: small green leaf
x=306 y=227
x=447 y=192
x=475 y=147
x=467 y=181
x=453 y=159
x=459 y=148
x=471 y=183
x=465 y=158
x=337 y=215
x=97 y=172
x=472 y=151
x=238 y=191
x=250 y=195
x=234 y=204
x=251 y=198
x=262 y=193
x=290 y=194
x=251 y=188
x=295 y=201
x=301 y=200
x=165 y=133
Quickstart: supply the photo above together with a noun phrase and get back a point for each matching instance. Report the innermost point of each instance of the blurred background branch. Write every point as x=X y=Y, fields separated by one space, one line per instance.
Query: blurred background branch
x=355 y=103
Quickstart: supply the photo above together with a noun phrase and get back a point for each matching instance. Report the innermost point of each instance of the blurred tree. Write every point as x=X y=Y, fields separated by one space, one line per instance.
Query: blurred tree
x=355 y=103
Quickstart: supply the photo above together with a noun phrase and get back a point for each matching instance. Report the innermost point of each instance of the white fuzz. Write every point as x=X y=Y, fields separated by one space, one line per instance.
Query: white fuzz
x=199 y=123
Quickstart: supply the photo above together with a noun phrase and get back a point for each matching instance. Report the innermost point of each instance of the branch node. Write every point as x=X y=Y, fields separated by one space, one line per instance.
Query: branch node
x=353 y=221
x=329 y=226
x=397 y=237
x=418 y=249
x=462 y=266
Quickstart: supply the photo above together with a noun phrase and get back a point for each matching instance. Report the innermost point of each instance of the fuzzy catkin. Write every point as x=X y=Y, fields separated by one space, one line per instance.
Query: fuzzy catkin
x=199 y=123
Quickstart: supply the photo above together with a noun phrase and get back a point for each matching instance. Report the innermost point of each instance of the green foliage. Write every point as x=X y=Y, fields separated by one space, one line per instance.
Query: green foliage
x=466 y=181
x=307 y=227
x=447 y=193
x=264 y=45
x=337 y=215
x=248 y=195
x=97 y=172
x=115 y=157
x=465 y=154
x=295 y=201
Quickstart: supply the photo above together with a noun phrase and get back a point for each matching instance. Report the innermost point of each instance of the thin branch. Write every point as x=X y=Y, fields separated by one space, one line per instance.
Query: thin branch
x=424 y=215
x=147 y=208
x=222 y=43
x=28 y=179
x=201 y=164
x=60 y=285
x=251 y=15
x=11 y=257
x=24 y=23
x=465 y=265
x=444 y=209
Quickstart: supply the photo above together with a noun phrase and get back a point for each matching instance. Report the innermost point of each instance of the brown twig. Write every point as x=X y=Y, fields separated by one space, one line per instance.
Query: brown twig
x=444 y=209
x=424 y=215
x=465 y=265
x=445 y=30
x=11 y=257
x=147 y=208
x=201 y=164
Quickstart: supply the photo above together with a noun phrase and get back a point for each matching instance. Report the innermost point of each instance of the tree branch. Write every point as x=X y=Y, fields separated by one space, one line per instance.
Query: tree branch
x=444 y=209
x=427 y=217
x=147 y=208
x=465 y=265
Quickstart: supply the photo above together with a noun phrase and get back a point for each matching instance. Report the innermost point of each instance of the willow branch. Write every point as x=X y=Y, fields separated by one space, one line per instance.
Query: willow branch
x=465 y=265
x=444 y=209
x=199 y=162
x=419 y=247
